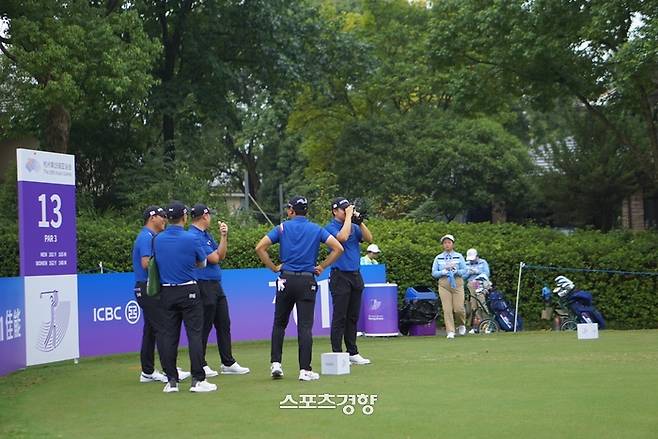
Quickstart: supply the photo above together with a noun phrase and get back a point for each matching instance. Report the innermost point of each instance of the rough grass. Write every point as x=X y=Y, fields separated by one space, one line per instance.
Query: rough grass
x=535 y=384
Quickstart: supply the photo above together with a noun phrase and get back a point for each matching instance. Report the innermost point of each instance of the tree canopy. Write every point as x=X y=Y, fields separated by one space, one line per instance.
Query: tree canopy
x=431 y=110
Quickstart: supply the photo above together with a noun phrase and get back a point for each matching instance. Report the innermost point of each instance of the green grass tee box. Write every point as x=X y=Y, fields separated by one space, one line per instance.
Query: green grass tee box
x=527 y=385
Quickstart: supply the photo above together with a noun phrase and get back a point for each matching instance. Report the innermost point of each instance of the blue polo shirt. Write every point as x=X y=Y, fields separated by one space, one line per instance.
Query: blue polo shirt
x=177 y=252
x=300 y=243
x=141 y=248
x=350 y=259
x=209 y=245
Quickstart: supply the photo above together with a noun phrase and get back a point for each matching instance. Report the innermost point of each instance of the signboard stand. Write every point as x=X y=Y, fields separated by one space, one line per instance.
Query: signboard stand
x=48 y=254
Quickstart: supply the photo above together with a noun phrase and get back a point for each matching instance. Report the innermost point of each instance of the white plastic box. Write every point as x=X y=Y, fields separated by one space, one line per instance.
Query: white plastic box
x=588 y=331
x=335 y=363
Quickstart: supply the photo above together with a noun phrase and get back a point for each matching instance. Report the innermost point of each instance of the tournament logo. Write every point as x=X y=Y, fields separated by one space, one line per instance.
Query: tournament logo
x=32 y=165
x=53 y=332
x=375 y=304
x=132 y=312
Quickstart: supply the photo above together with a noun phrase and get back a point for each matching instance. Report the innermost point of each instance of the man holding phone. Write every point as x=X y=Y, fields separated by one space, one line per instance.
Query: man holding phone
x=215 y=304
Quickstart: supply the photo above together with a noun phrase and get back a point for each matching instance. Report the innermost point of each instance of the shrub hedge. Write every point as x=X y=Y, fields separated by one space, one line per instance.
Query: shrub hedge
x=408 y=249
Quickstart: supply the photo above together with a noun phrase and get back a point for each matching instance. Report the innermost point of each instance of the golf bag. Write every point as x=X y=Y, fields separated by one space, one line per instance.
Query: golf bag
x=503 y=314
x=580 y=303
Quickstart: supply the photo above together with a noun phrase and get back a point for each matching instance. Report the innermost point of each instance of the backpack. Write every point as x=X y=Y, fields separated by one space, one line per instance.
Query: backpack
x=153 y=284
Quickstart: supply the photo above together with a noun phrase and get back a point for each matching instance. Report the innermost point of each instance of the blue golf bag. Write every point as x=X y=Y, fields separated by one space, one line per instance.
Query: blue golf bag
x=502 y=312
x=580 y=303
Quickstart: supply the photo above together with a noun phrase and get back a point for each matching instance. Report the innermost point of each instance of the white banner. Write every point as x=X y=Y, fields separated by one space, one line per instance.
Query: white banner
x=51 y=310
x=45 y=167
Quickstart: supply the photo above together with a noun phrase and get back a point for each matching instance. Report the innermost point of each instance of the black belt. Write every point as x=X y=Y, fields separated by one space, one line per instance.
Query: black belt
x=297 y=273
x=343 y=271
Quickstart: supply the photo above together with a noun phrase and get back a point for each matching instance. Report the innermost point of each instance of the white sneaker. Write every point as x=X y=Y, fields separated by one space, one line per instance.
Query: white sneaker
x=450 y=335
x=209 y=372
x=308 y=375
x=182 y=374
x=234 y=369
x=358 y=359
x=461 y=329
x=276 y=370
x=202 y=386
x=172 y=386
x=156 y=376
x=472 y=331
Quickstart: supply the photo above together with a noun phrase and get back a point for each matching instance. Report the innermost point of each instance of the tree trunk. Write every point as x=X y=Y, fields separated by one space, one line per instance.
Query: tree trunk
x=168 y=132
x=498 y=213
x=632 y=215
x=57 y=129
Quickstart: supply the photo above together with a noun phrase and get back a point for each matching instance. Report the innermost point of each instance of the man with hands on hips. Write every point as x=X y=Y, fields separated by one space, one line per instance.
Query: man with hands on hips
x=299 y=241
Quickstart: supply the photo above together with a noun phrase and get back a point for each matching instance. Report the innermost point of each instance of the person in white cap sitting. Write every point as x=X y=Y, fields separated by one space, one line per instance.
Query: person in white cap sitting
x=476 y=266
x=449 y=268
x=371 y=255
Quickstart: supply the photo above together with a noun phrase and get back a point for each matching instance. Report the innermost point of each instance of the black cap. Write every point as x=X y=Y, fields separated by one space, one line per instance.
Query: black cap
x=199 y=210
x=152 y=211
x=176 y=210
x=340 y=203
x=298 y=203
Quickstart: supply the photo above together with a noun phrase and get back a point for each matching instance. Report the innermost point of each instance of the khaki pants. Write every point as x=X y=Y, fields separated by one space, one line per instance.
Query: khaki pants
x=452 y=302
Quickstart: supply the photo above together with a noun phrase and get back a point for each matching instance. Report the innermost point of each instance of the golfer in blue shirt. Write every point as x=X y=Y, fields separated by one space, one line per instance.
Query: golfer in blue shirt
x=345 y=281
x=299 y=241
x=155 y=221
x=215 y=303
x=178 y=254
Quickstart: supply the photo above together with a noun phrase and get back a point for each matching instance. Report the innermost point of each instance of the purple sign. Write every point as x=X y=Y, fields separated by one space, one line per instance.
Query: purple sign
x=12 y=325
x=379 y=310
x=111 y=322
x=47 y=233
x=46 y=213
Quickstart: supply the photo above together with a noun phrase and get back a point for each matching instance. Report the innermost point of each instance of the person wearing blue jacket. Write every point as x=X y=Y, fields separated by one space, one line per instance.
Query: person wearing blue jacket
x=449 y=268
x=475 y=266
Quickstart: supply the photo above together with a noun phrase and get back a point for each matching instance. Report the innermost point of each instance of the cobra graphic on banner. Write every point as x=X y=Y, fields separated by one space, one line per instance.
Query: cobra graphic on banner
x=51 y=302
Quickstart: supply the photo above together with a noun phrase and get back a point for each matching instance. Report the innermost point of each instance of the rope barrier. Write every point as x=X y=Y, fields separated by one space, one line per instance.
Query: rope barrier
x=589 y=270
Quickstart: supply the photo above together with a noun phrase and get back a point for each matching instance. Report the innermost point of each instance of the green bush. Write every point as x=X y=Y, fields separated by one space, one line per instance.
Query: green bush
x=408 y=249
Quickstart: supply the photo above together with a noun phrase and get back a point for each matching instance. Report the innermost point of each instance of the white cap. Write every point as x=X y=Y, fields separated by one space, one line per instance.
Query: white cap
x=471 y=254
x=372 y=248
x=450 y=237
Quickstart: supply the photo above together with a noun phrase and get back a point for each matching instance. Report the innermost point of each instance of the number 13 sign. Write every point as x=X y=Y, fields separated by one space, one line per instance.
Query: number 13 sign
x=46 y=213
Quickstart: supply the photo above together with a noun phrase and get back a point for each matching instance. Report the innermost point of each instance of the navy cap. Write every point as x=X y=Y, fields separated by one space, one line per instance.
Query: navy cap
x=152 y=211
x=340 y=203
x=298 y=203
x=176 y=210
x=199 y=210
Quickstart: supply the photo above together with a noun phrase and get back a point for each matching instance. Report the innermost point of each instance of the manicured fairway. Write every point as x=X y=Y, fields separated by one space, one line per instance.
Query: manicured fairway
x=528 y=385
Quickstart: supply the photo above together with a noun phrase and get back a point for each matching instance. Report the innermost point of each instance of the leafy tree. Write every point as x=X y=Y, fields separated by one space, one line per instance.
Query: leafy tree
x=543 y=49
x=69 y=60
x=587 y=174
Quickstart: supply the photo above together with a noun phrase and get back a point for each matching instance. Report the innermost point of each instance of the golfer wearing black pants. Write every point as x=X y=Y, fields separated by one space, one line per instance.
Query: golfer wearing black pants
x=177 y=254
x=153 y=319
x=154 y=222
x=300 y=243
x=299 y=289
x=345 y=282
x=346 y=290
x=215 y=304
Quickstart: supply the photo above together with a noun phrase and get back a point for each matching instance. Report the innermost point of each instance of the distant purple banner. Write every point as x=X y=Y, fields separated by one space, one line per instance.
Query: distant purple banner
x=12 y=325
x=111 y=322
x=47 y=234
